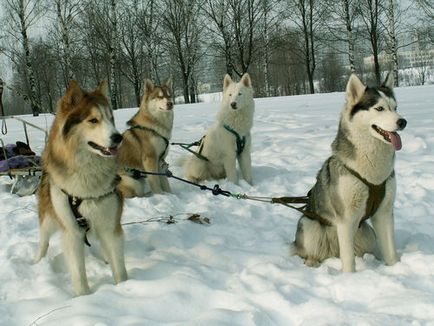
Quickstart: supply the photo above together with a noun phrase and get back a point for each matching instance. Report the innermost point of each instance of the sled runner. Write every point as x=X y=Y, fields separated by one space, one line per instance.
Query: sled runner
x=19 y=162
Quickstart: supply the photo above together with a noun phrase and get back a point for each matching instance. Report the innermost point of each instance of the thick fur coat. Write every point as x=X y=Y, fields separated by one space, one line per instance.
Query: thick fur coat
x=146 y=142
x=219 y=146
x=362 y=161
x=79 y=162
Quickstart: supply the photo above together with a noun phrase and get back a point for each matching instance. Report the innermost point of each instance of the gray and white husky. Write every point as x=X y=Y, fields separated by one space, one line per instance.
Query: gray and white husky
x=356 y=183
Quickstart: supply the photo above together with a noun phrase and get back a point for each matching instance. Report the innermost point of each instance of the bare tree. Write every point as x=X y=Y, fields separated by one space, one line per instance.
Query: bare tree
x=246 y=15
x=372 y=12
x=222 y=28
x=113 y=50
x=132 y=47
x=270 y=24
x=66 y=12
x=22 y=15
x=341 y=25
x=308 y=16
x=181 y=20
x=427 y=6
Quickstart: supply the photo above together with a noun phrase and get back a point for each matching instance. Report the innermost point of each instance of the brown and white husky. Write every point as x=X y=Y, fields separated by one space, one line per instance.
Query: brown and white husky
x=146 y=142
x=78 y=188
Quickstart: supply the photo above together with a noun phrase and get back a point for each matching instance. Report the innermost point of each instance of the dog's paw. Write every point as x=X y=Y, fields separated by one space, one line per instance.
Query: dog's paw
x=311 y=262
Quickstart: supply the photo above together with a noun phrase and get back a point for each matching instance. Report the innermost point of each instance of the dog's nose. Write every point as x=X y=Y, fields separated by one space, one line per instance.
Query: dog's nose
x=170 y=105
x=116 y=138
x=401 y=123
x=234 y=105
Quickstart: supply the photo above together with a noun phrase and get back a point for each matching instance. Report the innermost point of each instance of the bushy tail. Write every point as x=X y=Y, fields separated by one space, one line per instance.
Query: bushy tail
x=180 y=161
x=293 y=250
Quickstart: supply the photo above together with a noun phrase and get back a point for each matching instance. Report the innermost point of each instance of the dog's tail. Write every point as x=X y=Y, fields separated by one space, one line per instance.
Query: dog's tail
x=293 y=249
x=180 y=161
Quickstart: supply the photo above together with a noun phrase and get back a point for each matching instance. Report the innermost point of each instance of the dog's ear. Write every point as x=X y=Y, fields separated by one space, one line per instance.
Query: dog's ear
x=246 y=80
x=149 y=86
x=169 y=83
x=227 y=81
x=74 y=94
x=103 y=88
x=389 y=81
x=355 y=89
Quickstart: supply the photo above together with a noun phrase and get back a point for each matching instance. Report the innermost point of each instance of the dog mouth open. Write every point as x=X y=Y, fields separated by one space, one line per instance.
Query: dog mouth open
x=390 y=137
x=105 y=151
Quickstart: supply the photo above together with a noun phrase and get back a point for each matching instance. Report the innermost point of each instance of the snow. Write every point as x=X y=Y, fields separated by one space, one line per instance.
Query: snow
x=235 y=271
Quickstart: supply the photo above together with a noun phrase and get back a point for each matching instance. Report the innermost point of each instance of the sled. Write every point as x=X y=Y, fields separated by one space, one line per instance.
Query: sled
x=20 y=163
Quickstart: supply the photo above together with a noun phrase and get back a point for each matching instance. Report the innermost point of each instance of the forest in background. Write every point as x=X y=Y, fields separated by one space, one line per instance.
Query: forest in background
x=288 y=46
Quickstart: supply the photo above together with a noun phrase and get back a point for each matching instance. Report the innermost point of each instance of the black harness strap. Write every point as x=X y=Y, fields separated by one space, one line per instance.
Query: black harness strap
x=74 y=203
x=166 y=141
x=241 y=141
x=187 y=147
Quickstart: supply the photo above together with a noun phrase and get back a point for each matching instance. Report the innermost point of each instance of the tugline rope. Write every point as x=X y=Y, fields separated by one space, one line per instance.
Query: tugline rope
x=216 y=190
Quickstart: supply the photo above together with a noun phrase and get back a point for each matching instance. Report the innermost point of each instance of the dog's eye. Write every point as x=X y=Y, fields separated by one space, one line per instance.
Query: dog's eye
x=380 y=108
x=230 y=94
x=94 y=120
x=239 y=94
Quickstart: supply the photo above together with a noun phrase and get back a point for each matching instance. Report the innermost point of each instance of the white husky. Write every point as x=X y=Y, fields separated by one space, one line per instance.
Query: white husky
x=229 y=139
x=356 y=183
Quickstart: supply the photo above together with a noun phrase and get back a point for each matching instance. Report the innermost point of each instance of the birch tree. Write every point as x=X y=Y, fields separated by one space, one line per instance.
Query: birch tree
x=270 y=24
x=66 y=13
x=344 y=14
x=392 y=39
x=113 y=51
x=372 y=13
x=22 y=14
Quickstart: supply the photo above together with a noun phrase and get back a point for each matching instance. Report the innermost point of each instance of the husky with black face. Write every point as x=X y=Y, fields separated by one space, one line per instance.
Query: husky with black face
x=78 y=188
x=356 y=183
x=229 y=139
x=146 y=142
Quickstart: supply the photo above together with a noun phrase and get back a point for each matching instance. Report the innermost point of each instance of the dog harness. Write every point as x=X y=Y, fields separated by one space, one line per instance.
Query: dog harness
x=241 y=141
x=375 y=198
x=74 y=204
x=166 y=141
x=199 y=152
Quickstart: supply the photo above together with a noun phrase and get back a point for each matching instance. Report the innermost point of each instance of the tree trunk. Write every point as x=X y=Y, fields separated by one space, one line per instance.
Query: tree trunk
x=266 y=50
x=349 y=36
x=393 y=42
x=113 y=56
x=66 y=44
x=34 y=102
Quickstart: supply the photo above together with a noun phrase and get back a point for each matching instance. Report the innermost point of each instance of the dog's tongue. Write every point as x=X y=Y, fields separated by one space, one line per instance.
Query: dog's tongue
x=396 y=140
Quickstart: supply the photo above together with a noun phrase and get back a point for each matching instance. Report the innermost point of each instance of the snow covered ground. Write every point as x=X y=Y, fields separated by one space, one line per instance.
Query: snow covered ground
x=235 y=271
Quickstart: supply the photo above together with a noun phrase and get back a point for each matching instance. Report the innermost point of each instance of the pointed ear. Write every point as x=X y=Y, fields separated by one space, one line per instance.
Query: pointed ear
x=227 y=81
x=103 y=87
x=389 y=81
x=149 y=86
x=355 y=89
x=74 y=94
x=246 y=80
x=169 y=83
